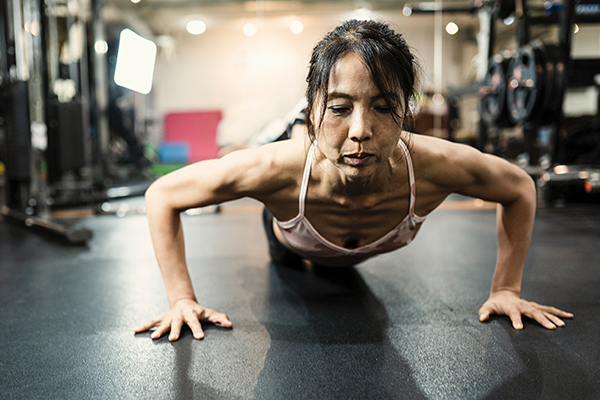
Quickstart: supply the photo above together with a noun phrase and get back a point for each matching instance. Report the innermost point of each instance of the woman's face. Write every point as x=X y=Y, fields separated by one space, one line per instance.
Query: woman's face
x=358 y=133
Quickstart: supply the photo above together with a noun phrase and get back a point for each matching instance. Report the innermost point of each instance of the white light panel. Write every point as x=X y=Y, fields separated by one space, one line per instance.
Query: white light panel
x=135 y=62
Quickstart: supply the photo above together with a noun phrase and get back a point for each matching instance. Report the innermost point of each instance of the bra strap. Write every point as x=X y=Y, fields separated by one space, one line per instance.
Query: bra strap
x=306 y=177
x=411 y=177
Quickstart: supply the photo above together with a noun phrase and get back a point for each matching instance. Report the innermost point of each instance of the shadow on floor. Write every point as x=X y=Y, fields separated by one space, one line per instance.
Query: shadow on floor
x=548 y=372
x=329 y=339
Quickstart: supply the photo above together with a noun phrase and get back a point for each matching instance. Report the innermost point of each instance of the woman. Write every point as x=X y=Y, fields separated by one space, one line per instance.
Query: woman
x=355 y=186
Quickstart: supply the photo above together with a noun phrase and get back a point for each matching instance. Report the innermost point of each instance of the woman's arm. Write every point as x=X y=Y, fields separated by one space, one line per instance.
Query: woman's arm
x=514 y=226
x=168 y=242
x=209 y=182
x=469 y=172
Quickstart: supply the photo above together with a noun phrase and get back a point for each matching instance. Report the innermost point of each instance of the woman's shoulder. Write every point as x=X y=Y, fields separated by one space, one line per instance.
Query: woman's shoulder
x=441 y=161
x=269 y=167
x=282 y=153
x=283 y=157
x=429 y=150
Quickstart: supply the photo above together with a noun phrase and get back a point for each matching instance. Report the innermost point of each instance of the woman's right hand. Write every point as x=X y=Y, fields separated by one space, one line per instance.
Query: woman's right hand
x=186 y=311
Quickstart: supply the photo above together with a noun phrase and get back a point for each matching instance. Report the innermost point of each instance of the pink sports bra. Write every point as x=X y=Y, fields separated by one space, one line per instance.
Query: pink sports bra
x=305 y=240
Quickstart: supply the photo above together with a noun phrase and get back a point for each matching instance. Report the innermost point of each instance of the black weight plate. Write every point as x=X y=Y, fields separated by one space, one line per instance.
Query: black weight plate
x=546 y=86
x=493 y=92
x=525 y=73
x=559 y=84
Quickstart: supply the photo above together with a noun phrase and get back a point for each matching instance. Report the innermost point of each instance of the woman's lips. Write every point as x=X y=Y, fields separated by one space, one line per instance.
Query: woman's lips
x=358 y=158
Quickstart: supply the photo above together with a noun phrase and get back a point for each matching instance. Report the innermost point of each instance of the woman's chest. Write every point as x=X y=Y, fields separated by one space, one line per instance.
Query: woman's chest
x=355 y=224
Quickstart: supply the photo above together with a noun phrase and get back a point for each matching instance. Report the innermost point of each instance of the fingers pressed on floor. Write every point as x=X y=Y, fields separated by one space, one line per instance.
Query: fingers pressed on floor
x=484 y=314
x=226 y=322
x=515 y=317
x=161 y=330
x=143 y=328
x=557 y=312
x=541 y=317
x=555 y=320
x=220 y=319
x=175 y=331
x=563 y=314
x=196 y=328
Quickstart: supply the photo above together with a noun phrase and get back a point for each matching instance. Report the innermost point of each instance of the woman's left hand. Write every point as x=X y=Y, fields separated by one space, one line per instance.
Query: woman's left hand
x=508 y=303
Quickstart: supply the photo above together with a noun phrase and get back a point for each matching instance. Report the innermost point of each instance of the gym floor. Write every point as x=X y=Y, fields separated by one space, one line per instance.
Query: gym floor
x=400 y=326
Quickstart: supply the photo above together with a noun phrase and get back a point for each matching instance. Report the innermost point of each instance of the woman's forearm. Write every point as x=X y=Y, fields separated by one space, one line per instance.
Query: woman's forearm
x=168 y=242
x=514 y=227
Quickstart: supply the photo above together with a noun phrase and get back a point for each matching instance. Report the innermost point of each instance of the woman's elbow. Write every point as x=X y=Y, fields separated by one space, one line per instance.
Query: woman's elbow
x=155 y=195
x=526 y=188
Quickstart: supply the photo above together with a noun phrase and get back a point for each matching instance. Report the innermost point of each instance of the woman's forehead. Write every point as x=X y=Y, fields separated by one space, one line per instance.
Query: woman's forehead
x=351 y=76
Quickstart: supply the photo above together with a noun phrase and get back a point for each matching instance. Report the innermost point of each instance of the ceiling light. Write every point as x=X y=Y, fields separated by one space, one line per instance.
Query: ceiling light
x=451 y=28
x=250 y=29
x=196 y=27
x=101 y=47
x=296 y=27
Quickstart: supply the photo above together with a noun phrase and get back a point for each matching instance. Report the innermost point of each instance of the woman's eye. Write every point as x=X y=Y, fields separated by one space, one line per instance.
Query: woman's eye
x=338 y=109
x=383 y=109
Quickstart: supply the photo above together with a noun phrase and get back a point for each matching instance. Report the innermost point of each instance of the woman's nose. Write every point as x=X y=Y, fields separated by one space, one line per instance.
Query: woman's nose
x=360 y=127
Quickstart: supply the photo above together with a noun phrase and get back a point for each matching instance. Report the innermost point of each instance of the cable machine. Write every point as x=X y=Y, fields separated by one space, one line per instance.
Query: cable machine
x=61 y=116
x=27 y=134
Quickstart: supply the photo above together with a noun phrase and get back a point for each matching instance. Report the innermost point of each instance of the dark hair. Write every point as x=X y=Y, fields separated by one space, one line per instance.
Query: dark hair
x=393 y=68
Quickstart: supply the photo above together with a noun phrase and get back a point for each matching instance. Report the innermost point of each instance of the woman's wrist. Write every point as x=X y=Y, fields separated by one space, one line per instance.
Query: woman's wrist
x=175 y=300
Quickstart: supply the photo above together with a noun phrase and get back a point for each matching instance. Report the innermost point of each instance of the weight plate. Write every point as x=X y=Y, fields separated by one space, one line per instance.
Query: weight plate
x=547 y=87
x=493 y=92
x=559 y=83
x=525 y=90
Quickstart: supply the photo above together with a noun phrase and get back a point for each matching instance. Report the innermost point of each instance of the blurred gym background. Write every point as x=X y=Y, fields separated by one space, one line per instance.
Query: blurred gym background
x=100 y=97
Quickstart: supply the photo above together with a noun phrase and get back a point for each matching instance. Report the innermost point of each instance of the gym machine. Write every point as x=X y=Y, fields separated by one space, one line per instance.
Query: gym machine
x=527 y=87
x=107 y=131
x=57 y=127
x=24 y=138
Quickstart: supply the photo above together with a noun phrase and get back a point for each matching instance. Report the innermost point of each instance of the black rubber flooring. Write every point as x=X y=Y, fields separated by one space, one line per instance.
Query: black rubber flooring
x=400 y=326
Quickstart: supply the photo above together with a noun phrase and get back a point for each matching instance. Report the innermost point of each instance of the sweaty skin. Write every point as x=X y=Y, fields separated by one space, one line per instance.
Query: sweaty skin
x=358 y=192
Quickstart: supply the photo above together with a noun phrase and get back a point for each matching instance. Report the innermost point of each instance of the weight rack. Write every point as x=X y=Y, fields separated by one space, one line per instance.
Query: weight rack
x=527 y=88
